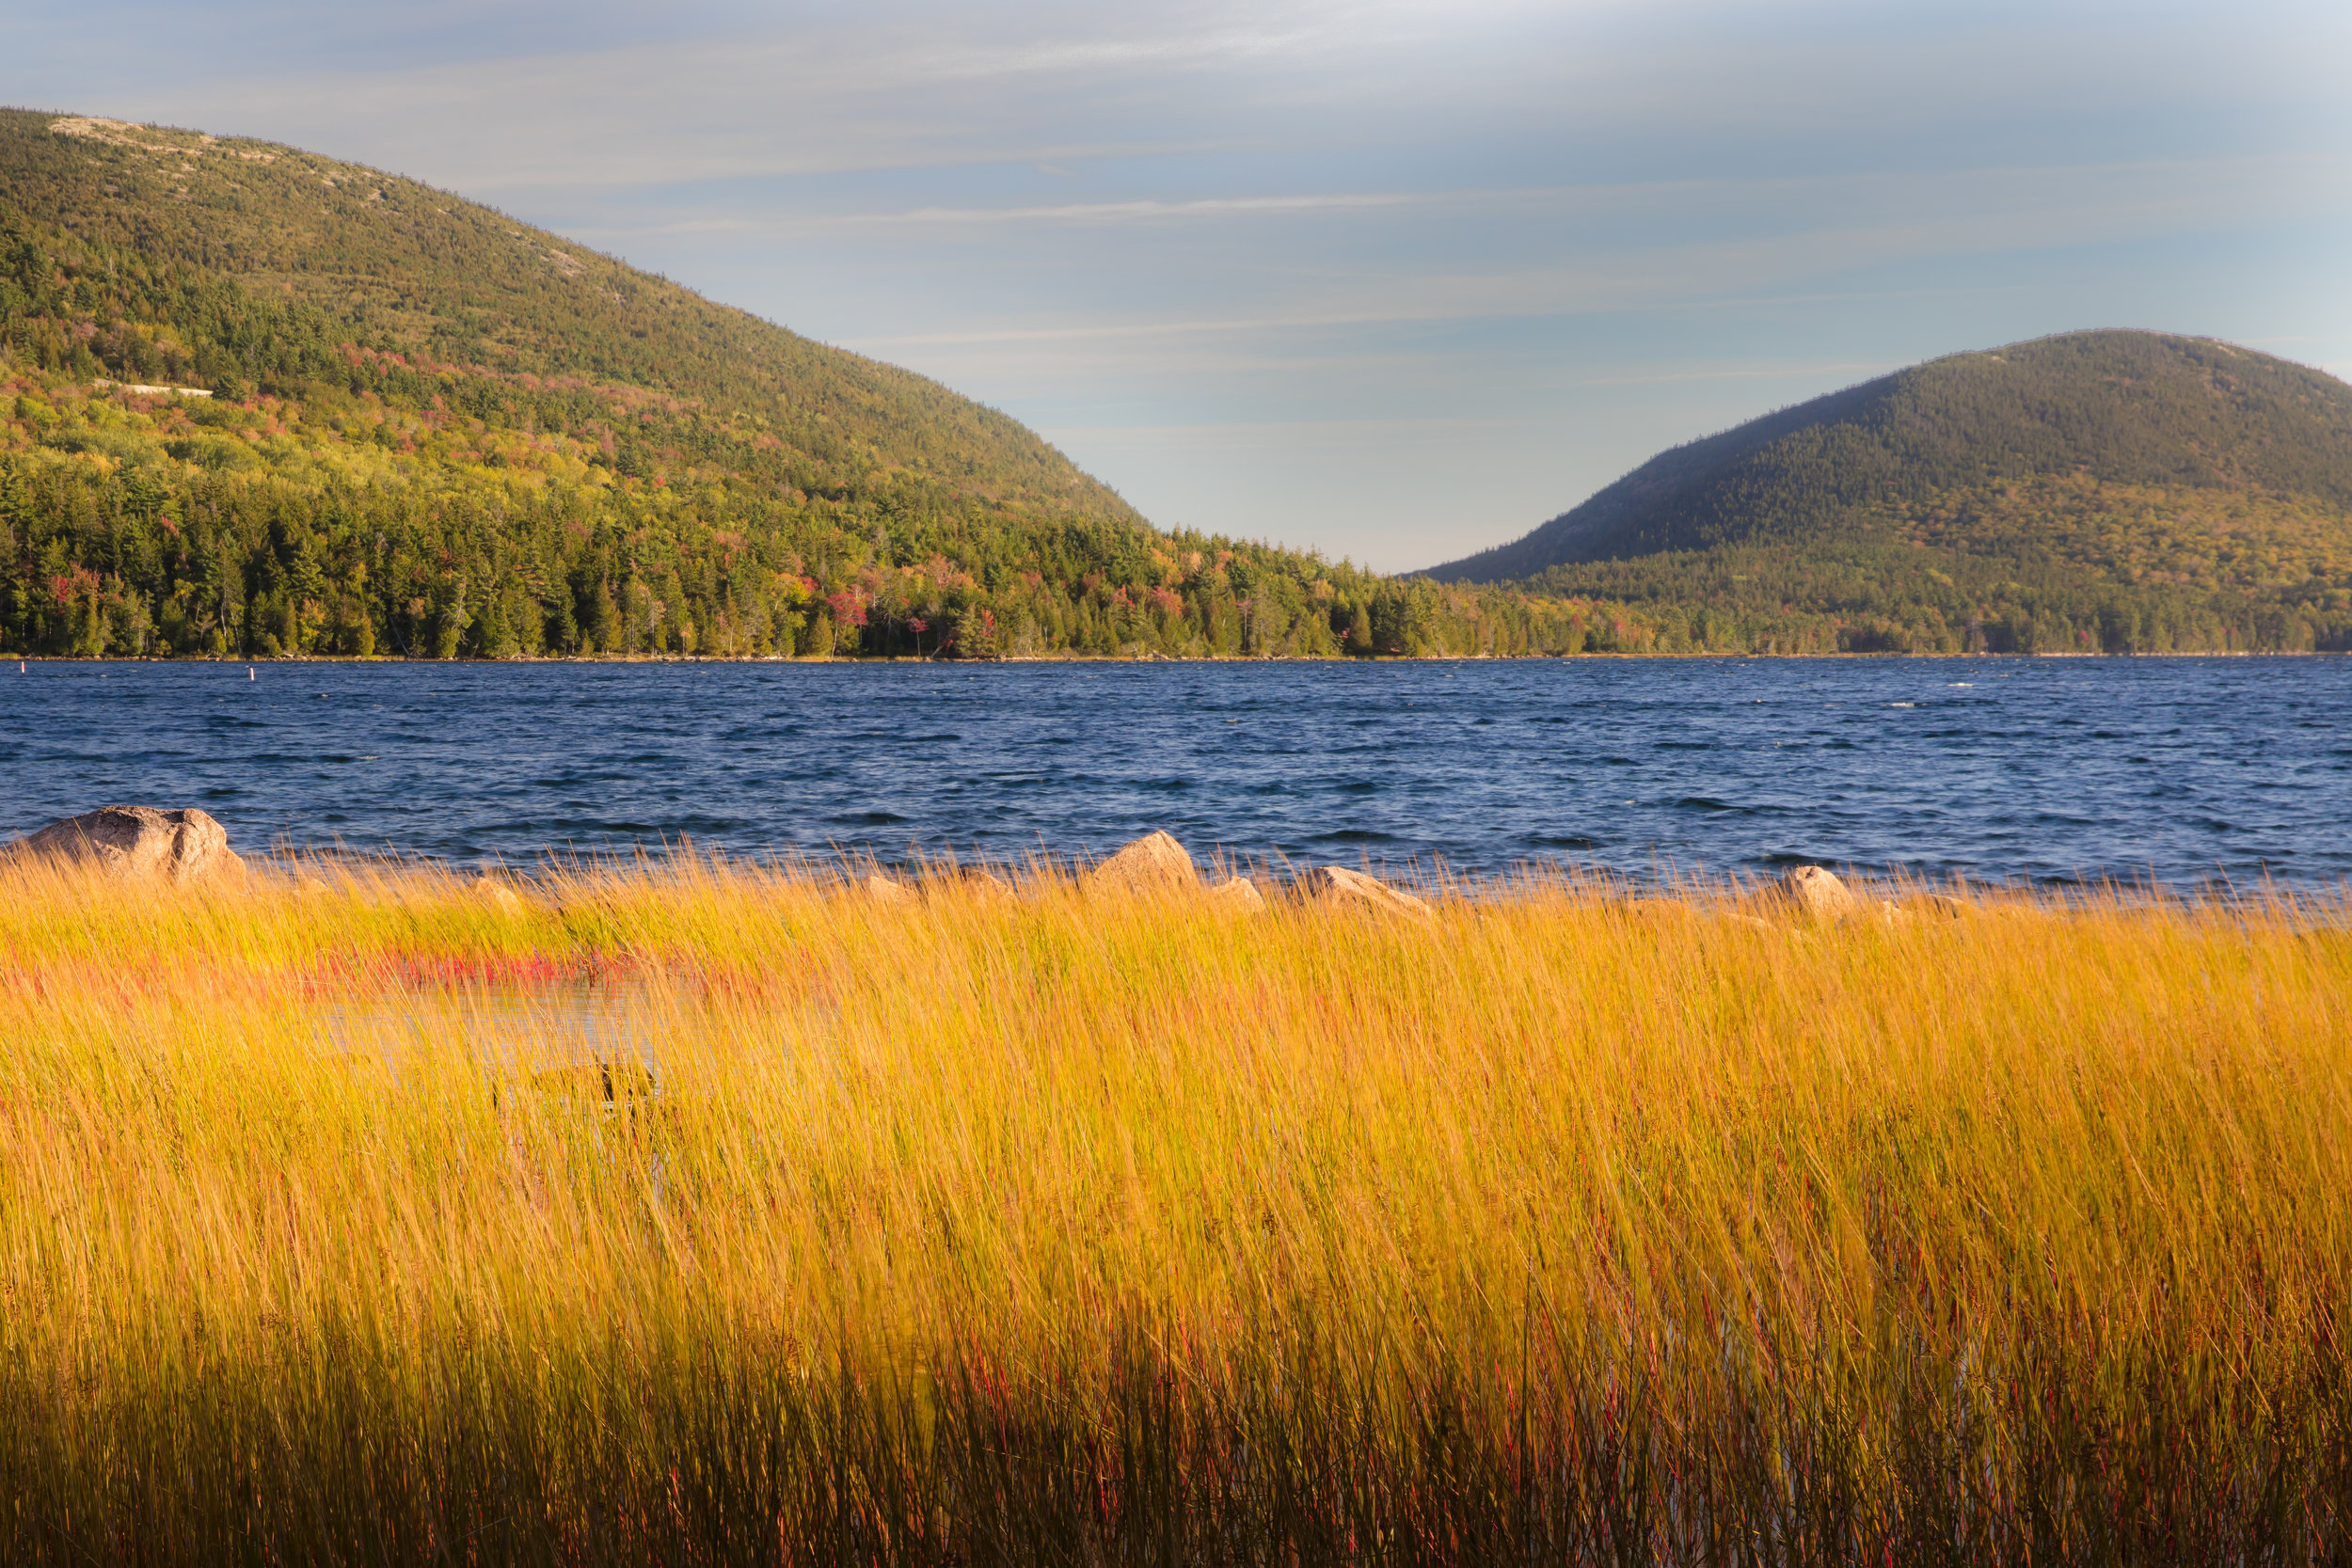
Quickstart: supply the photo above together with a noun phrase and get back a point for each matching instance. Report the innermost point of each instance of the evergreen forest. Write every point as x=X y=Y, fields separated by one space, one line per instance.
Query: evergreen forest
x=256 y=403
x=2096 y=492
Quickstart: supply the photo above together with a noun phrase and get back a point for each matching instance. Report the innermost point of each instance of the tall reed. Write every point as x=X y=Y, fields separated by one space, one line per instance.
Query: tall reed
x=1556 y=1227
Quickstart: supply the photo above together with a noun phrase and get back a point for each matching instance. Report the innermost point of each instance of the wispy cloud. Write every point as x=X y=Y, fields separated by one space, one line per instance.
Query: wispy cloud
x=1950 y=215
x=1136 y=211
x=1342 y=271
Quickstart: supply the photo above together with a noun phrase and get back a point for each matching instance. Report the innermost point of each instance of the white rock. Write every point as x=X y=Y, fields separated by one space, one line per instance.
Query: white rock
x=1817 y=894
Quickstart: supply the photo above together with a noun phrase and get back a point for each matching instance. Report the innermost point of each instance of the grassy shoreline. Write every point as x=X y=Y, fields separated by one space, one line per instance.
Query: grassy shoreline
x=1698 y=655
x=1066 y=1227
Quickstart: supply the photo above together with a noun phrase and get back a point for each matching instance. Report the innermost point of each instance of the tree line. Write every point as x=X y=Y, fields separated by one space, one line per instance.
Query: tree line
x=112 y=552
x=161 y=526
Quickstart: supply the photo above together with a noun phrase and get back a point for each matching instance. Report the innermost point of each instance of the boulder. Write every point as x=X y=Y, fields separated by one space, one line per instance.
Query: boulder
x=1924 y=906
x=1239 y=893
x=973 y=881
x=1150 y=864
x=497 y=895
x=138 y=841
x=882 y=889
x=1817 y=894
x=1337 y=885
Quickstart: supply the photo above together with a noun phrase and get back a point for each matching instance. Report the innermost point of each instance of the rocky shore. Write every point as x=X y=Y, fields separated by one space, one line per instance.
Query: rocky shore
x=186 y=846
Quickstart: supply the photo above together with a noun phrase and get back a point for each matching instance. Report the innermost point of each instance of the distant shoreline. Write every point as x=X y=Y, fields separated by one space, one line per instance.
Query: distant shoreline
x=256 y=660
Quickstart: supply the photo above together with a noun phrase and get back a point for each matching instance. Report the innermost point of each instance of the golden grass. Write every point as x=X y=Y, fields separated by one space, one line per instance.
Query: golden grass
x=1065 y=1229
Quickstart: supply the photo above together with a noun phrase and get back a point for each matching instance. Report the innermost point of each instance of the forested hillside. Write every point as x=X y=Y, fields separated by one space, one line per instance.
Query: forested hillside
x=432 y=431
x=2100 y=491
x=437 y=431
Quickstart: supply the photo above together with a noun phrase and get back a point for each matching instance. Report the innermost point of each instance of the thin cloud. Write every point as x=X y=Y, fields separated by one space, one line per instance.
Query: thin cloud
x=1970 y=213
x=1129 y=212
x=2175 y=187
x=1367 y=229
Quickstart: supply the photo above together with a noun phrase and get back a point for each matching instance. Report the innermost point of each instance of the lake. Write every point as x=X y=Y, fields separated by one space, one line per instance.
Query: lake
x=2005 y=769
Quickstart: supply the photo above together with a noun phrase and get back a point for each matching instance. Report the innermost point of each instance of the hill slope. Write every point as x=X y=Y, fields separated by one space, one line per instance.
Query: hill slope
x=439 y=432
x=2145 y=490
x=260 y=267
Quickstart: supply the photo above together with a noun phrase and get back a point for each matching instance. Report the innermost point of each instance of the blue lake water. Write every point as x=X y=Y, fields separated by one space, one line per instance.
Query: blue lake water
x=2187 y=769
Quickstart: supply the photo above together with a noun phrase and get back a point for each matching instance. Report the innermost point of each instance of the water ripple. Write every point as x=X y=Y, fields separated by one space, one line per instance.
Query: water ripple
x=2186 y=768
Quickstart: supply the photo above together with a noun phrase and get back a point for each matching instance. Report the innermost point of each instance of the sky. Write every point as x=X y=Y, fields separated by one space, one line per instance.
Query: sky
x=1397 y=281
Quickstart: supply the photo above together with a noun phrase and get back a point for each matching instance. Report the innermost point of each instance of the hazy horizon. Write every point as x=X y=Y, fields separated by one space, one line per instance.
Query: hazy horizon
x=1395 y=282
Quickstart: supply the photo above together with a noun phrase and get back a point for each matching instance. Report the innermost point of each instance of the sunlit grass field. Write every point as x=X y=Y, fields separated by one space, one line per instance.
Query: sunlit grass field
x=698 y=1214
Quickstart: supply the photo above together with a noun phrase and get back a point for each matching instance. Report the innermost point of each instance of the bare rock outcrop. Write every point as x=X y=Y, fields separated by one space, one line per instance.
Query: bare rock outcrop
x=1339 y=886
x=1154 y=863
x=138 y=841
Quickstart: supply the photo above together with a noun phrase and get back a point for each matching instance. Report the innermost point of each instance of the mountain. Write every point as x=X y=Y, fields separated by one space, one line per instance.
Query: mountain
x=247 y=266
x=254 y=401
x=2109 y=491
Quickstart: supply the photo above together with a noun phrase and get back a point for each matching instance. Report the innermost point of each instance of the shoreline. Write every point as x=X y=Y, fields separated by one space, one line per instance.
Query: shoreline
x=260 y=660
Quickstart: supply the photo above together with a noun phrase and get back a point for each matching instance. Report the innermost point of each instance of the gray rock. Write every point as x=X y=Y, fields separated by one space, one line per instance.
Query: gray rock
x=138 y=841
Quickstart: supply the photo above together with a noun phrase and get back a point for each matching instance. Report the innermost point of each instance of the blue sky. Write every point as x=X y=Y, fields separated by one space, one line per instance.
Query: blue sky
x=1394 y=280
